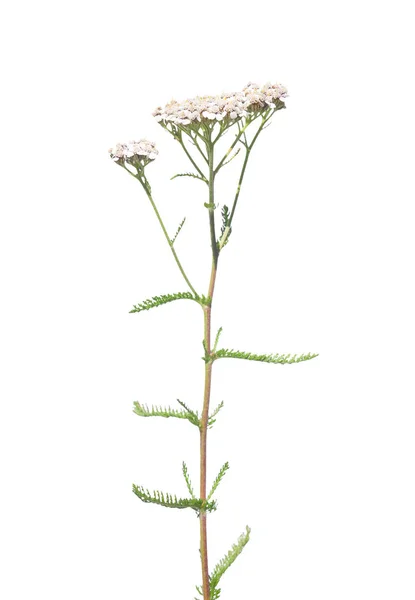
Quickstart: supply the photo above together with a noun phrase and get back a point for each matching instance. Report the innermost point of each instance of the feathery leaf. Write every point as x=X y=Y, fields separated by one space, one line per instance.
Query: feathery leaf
x=194 y=175
x=191 y=415
x=178 y=231
x=217 y=339
x=226 y=230
x=142 y=410
x=282 y=359
x=218 y=480
x=188 y=482
x=170 y=501
x=211 y=418
x=226 y=562
x=164 y=299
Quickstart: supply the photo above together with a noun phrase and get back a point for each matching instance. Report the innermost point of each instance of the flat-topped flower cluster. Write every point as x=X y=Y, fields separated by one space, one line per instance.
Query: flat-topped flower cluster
x=225 y=106
x=142 y=151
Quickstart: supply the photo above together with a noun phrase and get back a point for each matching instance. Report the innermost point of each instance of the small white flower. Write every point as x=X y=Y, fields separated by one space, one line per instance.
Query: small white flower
x=215 y=108
x=143 y=151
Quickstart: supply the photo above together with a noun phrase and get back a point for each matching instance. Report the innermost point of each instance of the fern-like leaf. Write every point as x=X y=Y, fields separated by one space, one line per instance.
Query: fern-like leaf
x=215 y=593
x=218 y=480
x=194 y=175
x=178 y=231
x=211 y=418
x=171 y=501
x=164 y=299
x=188 y=482
x=282 y=359
x=217 y=339
x=226 y=229
x=224 y=564
x=142 y=410
x=191 y=415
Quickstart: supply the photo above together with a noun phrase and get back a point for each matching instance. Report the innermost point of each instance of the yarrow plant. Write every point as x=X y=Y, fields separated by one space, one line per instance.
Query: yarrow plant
x=198 y=124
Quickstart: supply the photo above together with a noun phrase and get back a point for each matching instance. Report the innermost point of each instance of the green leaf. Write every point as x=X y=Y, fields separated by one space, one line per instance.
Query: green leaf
x=282 y=359
x=178 y=231
x=224 y=564
x=217 y=338
x=191 y=415
x=164 y=299
x=211 y=418
x=188 y=482
x=194 y=175
x=218 y=480
x=226 y=229
x=170 y=501
x=142 y=410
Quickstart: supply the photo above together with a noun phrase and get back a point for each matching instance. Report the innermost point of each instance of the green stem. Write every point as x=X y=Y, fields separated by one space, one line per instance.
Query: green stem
x=249 y=120
x=146 y=187
x=212 y=203
x=200 y=150
x=238 y=189
x=207 y=385
x=241 y=178
x=189 y=156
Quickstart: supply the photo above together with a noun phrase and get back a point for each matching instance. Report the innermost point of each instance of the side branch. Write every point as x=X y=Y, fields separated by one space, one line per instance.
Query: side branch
x=147 y=189
x=179 y=138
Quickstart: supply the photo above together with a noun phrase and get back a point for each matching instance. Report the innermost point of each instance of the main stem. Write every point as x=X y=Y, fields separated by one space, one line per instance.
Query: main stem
x=208 y=380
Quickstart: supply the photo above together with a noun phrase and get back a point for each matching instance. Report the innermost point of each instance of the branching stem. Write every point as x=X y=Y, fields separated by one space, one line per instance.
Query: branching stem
x=166 y=235
x=190 y=157
x=247 y=153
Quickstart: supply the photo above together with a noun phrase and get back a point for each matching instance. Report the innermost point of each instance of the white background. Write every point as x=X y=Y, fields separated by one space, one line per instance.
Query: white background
x=321 y=259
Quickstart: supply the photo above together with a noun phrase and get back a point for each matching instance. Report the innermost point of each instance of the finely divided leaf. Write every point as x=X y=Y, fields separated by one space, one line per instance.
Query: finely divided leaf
x=142 y=410
x=194 y=175
x=211 y=418
x=178 y=231
x=282 y=359
x=164 y=299
x=226 y=229
x=170 y=501
x=188 y=482
x=218 y=480
x=226 y=562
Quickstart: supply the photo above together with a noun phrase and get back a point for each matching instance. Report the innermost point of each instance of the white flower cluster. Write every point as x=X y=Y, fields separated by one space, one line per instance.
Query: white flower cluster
x=142 y=150
x=216 y=108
